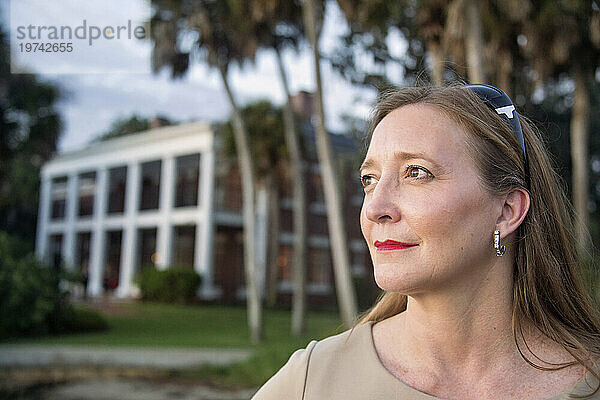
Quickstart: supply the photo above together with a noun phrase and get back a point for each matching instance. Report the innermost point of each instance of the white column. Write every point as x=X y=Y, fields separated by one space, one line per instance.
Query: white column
x=165 y=230
x=68 y=249
x=97 y=250
x=163 y=244
x=262 y=222
x=206 y=228
x=43 y=217
x=129 y=242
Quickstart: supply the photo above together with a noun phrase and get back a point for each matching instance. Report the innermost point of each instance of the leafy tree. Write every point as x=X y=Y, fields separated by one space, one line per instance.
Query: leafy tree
x=221 y=33
x=370 y=24
x=125 y=126
x=279 y=26
x=30 y=127
x=264 y=122
x=31 y=300
x=562 y=37
x=331 y=188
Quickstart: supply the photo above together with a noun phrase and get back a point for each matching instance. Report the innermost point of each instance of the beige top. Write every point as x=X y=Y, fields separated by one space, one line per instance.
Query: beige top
x=346 y=367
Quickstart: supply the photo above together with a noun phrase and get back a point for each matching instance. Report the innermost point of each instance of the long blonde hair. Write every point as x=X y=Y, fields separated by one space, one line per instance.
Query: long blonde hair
x=548 y=286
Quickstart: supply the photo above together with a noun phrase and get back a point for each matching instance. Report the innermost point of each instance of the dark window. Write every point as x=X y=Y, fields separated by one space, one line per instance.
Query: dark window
x=113 y=260
x=284 y=263
x=188 y=173
x=229 y=257
x=319 y=265
x=228 y=190
x=316 y=188
x=87 y=186
x=184 y=239
x=286 y=220
x=117 y=182
x=146 y=248
x=83 y=254
x=150 y=185
x=55 y=250
x=317 y=224
x=59 y=197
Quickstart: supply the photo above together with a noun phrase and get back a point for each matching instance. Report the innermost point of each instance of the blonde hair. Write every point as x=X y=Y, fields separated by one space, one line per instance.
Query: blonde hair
x=548 y=286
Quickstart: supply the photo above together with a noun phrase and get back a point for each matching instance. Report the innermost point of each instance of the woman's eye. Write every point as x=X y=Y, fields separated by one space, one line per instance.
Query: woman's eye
x=366 y=180
x=416 y=172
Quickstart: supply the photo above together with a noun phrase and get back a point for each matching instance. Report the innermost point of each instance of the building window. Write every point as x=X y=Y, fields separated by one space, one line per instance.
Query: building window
x=228 y=261
x=87 y=186
x=117 y=182
x=286 y=221
x=150 y=185
x=82 y=255
x=112 y=266
x=319 y=265
x=59 y=197
x=284 y=263
x=188 y=174
x=184 y=240
x=317 y=224
x=146 y=248
x=316 y=188
x=55 y=256
x=228 y=190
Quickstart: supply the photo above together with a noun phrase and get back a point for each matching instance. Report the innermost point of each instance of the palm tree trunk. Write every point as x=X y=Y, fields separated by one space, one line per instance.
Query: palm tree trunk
x=299 y=251
x=474 y=42
x=505 y=67
x=263 y=207
x=247 y=175
x=437 y=62
x=580 y=124
x=273 y=270
x=335 y=217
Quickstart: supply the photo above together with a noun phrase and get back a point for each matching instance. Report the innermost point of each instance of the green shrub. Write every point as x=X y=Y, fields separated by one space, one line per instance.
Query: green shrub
x=79 y=320
x=31 y=300
x=172 y=285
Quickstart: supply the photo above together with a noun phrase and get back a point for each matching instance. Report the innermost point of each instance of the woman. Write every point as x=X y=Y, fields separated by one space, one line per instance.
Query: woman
x=471 y=243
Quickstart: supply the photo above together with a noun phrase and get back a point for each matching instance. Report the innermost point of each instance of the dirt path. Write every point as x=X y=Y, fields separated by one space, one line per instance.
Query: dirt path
x=132 y=389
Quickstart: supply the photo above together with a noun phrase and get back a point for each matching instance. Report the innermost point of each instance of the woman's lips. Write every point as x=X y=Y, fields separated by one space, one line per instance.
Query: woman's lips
x=388 y=245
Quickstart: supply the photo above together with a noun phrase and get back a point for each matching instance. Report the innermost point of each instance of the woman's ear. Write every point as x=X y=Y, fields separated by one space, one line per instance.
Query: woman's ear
x=514 y=210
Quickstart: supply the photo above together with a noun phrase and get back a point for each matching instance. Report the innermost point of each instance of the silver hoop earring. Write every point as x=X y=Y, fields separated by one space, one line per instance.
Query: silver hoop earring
x=499 y=249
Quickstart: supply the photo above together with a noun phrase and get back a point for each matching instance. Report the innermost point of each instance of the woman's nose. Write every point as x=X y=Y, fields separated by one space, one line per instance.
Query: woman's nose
x=382 y=205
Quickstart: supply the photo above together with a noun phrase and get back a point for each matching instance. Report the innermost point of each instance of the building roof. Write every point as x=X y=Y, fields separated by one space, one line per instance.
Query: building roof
x=340 y=143
x=134 y=140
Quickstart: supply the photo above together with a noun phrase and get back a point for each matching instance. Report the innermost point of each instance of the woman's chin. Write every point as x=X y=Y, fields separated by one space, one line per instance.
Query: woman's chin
x=395 y=280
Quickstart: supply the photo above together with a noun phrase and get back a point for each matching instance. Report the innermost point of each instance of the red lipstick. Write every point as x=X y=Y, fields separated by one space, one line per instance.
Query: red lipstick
x=392 y=245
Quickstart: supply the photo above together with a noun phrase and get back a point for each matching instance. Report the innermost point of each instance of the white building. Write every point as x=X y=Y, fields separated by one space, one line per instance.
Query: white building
x=130 y=197
x=169 y=197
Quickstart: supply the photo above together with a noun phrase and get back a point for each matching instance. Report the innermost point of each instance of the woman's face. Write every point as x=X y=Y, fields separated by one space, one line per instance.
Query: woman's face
x=422 y=189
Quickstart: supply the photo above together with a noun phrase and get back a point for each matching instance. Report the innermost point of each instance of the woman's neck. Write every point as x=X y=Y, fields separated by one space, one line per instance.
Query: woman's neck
x=463 y=334
x=466 y=327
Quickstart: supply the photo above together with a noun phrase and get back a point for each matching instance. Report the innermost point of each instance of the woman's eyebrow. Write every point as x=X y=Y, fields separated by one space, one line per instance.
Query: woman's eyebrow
x=368 y=163
x=400 y=156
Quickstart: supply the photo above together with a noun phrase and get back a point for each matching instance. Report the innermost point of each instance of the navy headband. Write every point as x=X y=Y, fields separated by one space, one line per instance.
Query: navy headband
x=499 y=101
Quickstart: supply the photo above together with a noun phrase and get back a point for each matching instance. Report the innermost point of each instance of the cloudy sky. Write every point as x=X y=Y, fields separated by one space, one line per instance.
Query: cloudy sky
x=95 y=98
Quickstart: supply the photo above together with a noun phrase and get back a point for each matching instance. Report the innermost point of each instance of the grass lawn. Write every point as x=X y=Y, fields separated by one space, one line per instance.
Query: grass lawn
x=165 y=325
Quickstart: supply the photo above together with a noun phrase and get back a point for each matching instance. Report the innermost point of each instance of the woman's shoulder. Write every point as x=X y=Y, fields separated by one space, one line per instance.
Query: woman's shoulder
x=325 y=369
x=289 y=381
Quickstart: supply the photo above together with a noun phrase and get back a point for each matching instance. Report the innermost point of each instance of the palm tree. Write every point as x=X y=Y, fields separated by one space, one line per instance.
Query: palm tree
x=562 y=38
x=335 y=217
x=267 y=16
x=463 y=37
x=264 y=123
x=223 y=35
x=430 y=18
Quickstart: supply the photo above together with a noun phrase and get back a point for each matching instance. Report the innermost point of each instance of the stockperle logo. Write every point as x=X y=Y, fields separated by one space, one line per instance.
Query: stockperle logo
x=74 y=36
